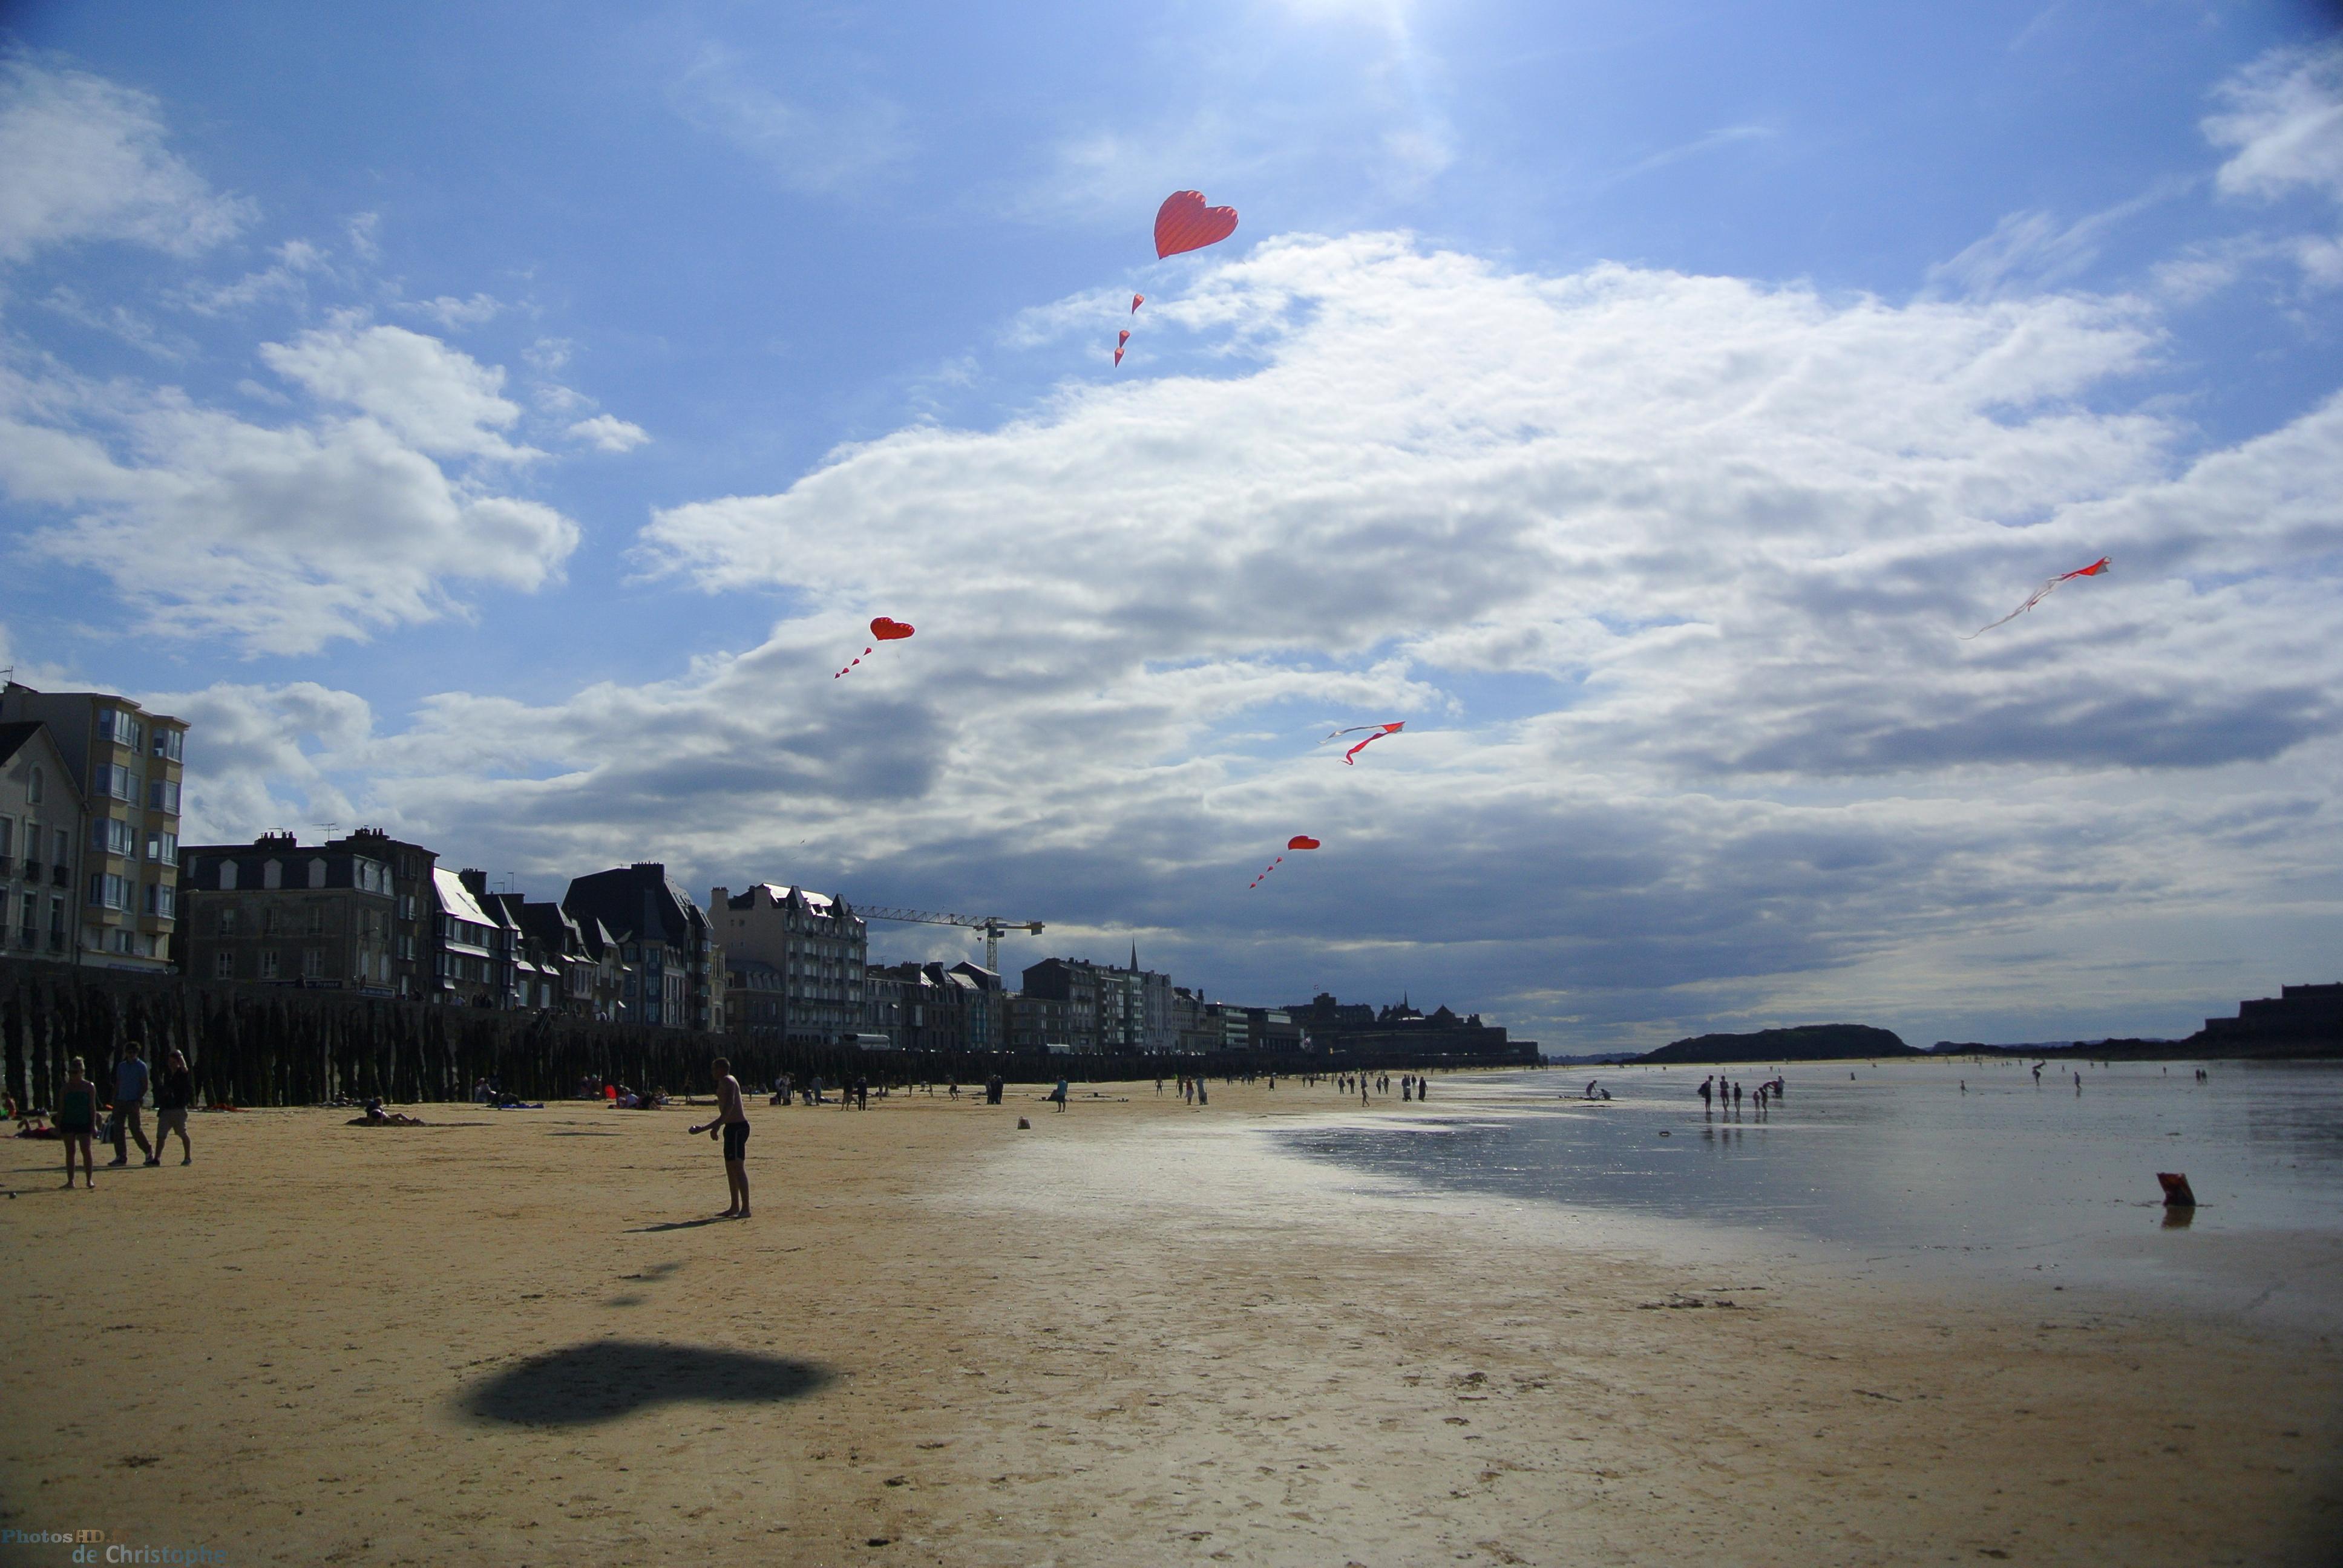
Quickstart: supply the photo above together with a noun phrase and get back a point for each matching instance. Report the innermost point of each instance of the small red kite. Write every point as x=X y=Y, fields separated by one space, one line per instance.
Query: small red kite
x=1299 y=841
x=2094 y=570
x=882 y=629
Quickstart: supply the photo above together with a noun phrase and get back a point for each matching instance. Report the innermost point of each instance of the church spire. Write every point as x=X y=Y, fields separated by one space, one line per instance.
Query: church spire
x=1135 y=955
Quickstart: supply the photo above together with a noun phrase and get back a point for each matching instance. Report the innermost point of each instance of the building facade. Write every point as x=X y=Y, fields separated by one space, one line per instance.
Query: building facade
x=674 y=966
x=1103 y=1007
x=127 y=766
x=41 y=835
x=816 y=943
x=271 y=912
x=415 y=913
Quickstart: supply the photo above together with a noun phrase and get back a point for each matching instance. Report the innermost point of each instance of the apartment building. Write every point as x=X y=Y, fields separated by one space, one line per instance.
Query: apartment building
x=271 y=912
x=815 y=942
x=1105 y=1007
x=471 y=956
x=126 y=764
x=41 y=834
x=415 y=912
x=674 y=966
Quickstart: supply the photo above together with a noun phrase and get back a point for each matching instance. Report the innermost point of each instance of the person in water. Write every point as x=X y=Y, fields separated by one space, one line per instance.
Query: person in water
x=734 y=1122
x=77 y=1121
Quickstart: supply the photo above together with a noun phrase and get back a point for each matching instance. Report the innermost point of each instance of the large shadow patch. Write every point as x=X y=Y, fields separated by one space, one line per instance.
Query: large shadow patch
x=609 y=1379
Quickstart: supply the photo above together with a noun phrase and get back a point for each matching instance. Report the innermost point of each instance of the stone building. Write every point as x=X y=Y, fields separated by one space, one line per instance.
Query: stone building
x=41 y=835
x=1105 y=1007
x=126 y=765
x=271 y=912
x=815 y=942
x=674 y=965
x=414 y=932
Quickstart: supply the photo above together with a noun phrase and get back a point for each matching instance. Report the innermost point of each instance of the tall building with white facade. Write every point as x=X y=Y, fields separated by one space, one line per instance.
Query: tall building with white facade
x=127 y=765
x=815 y=944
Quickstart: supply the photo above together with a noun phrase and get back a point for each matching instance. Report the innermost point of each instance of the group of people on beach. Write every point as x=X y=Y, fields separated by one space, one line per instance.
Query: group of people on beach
x=1728 y=1096
x=81 y=1115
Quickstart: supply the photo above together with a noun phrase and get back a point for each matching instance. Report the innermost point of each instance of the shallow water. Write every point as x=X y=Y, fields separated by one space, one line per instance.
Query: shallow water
x=1895 y=1165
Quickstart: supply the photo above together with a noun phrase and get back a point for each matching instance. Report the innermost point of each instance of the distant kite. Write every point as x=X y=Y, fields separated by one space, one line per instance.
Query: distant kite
x=1299 y=841
x=1136 y=301
x=1374 y=732
x=1120 y=342
x=881 y=630
x=1184 y=223
x=2094 y=570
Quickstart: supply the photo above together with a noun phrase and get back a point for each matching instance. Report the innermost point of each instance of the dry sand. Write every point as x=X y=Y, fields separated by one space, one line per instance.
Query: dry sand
x=1130 y=1335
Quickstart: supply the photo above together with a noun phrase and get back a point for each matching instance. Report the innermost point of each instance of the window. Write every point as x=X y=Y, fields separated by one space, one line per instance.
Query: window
x=272 y=873
x=227 y=922
x=406 y=906
x=313 y=963
x=167 y=743
x=227 y=877
x=268 y=963
x=112 y=836
x=268 y=922
x=62 y=845
x=162 y=901
x=316 y=918
x=222 y=965
x=7 y=838
x=109 y=892
x=113 y=779
x=163 y=846
x=115 y=725
x=317 y=871
x=162 y=795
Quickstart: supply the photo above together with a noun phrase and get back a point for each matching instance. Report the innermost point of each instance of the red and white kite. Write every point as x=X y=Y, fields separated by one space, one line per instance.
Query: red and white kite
x=2038 y=595
x=881 y=630
x=1373 y=733
x=1120 y=342
x=1299 y=841
x=1136 y=301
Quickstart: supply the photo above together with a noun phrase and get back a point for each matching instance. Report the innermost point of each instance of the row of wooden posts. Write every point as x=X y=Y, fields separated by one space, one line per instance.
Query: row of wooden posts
x=266 y=1046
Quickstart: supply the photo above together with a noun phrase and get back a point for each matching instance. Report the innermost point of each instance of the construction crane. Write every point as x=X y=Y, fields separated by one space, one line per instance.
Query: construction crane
x=990 y=925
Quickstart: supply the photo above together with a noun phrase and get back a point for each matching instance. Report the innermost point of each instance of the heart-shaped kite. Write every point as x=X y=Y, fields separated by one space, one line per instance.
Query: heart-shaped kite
x=1184 y=223
x=1299 y=841
x=883 y=630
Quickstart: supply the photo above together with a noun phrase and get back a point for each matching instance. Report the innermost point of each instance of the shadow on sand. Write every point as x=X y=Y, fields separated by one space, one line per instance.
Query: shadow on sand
x=607 y=1378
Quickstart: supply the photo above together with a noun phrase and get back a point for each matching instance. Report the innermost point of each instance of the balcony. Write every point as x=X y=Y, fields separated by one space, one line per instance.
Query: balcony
x=62 y=876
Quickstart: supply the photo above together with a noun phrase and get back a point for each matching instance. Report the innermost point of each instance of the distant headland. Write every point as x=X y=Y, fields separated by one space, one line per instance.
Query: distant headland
x=1806 y=1042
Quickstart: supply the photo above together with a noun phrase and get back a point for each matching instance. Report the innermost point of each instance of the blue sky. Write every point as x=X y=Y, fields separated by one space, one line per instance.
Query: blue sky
x=498 y=426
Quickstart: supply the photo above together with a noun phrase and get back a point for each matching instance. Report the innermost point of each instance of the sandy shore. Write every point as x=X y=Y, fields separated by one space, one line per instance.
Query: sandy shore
x=1130 y=1335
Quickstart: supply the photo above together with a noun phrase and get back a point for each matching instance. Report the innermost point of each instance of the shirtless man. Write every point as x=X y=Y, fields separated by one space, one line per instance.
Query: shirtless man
x=733 y=1122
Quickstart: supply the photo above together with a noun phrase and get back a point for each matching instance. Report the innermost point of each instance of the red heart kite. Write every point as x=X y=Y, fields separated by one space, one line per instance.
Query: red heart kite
x=1184 y=223
x=1299 y=841
x=883 y=630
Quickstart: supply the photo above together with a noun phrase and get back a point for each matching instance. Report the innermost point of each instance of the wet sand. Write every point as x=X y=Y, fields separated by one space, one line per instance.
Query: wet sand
x=1130 y=1335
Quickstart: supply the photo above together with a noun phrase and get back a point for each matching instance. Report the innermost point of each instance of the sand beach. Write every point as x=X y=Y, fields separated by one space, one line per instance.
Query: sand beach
x=1134 y=1333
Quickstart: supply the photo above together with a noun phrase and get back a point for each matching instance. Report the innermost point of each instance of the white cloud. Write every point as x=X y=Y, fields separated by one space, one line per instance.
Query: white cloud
x=452 y=313
x=825 y=147
x=2033 y=250
x=609 y=434
x=1666 y=574
x=281 y=536
x=2284 y=115
x=439 y=398
x=286 y=277
x=254 y=757
x=86 y=161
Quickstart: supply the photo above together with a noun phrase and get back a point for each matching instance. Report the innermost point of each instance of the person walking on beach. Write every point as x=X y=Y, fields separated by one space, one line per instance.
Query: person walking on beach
x=1736 y=1097
x=76 y=1123
x=733 y=1119
x=129 y=1088
x=174 y=1095
x=1059 y=1094
x=1704 y=1093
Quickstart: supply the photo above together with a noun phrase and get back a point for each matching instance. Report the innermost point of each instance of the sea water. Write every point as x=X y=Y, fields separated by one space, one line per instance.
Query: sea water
x=1898 y=1167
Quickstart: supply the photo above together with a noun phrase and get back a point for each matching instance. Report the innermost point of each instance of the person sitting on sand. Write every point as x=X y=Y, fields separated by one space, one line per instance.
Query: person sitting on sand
x=376 y=1116
x=77 y=1122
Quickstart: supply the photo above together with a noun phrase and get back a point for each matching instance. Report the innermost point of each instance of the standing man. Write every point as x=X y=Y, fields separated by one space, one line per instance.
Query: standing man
x=174 y=1094
x=1704 y=1093
x=129 y=1088
x=734 y=1123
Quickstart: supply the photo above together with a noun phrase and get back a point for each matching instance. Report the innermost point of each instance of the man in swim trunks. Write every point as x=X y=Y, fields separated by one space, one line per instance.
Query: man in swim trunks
x=733 y=1121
